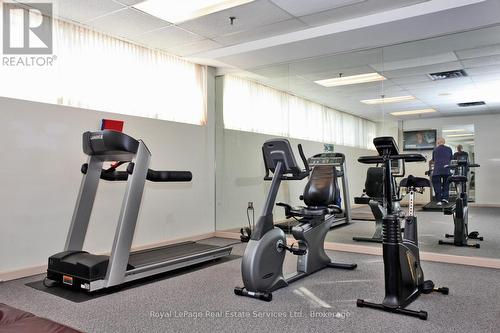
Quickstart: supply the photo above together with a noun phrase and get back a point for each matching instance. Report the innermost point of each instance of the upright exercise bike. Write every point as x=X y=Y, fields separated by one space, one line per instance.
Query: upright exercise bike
x=404 y=278
x=460 y=209
x=262 y=264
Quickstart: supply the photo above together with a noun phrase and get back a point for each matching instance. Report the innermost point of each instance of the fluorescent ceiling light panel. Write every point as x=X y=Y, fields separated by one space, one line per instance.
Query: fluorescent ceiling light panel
x=353 y=79
x=454 y=130
x=411 y=112
x=386 y=100
x=459 y=135
x=176 y=11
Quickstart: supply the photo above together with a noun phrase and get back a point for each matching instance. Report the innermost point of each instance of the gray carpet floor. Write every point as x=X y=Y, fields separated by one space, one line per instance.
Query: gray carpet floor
x=322 y=302
x=432 y=227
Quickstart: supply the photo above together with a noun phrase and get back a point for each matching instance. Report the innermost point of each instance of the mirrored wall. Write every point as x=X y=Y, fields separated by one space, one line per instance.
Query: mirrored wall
x=418 y=93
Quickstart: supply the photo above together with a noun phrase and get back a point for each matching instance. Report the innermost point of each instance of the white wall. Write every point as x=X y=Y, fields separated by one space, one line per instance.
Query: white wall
x=40 y=175
x=388 y=128
x=487 y=151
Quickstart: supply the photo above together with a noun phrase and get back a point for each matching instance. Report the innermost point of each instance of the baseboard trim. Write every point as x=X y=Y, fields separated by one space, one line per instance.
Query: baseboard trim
x=479 y=205
x=23 y=272
x=425 y=256
x=227 y=234
x=35 y=270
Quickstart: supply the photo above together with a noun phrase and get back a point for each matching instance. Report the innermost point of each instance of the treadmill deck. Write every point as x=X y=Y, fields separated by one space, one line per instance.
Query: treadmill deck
x=168 y=253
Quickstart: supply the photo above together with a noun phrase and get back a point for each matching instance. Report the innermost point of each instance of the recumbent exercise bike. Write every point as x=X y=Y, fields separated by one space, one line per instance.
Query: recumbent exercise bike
x=262 y=264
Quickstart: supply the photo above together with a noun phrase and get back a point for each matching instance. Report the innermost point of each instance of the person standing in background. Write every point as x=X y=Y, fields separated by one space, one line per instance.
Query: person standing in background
x=441 y=157
x=460 y=154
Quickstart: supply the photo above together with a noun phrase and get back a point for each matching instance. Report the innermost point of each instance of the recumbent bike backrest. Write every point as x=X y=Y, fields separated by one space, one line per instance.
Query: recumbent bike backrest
x=374 y=184
x=322 y=189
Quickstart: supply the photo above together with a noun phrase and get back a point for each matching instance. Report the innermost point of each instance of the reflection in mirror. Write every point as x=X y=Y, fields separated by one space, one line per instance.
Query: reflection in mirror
x=418 y=92
x=460 y=138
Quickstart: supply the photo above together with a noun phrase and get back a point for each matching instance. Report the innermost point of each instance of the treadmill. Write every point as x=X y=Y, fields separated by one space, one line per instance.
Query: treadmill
x=77 y=269
x=432 y=205
x=337 y=161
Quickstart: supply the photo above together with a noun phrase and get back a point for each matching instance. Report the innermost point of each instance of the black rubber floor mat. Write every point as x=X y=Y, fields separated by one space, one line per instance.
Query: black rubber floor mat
x=80 y=296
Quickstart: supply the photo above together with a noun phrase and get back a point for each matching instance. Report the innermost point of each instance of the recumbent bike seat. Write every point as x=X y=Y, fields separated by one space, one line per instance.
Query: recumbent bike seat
x=319 y=195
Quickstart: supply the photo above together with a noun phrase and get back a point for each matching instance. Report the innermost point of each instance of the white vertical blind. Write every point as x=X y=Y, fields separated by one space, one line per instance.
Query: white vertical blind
x=96 y=71
x=253 y=107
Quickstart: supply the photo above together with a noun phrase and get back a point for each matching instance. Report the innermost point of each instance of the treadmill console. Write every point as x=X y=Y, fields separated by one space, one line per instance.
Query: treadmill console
x=333 y=159
x=386 y=145
x=109 y=143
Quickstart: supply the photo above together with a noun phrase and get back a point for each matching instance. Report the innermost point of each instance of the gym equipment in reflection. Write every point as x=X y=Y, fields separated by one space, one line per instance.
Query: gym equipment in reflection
x=262 y=264
x=373 y=195
x=459 y=209
x=404 y=277
x=432 y=205
x=78 y=269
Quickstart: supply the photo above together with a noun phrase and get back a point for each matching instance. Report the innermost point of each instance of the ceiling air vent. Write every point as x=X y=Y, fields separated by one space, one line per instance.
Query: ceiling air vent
x=467 y=104
x=448 y=75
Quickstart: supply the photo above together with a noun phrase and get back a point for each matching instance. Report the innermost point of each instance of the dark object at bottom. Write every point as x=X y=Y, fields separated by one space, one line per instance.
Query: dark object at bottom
x=15 y=320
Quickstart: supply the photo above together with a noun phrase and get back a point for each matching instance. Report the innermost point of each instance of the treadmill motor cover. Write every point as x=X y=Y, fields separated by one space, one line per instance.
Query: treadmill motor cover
x=84 y=267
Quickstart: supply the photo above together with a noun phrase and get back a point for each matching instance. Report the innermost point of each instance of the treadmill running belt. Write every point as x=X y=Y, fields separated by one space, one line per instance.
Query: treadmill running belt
x=167 y=253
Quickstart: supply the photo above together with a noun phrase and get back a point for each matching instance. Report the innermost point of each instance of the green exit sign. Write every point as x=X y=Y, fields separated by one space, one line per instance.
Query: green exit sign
x=328 y=147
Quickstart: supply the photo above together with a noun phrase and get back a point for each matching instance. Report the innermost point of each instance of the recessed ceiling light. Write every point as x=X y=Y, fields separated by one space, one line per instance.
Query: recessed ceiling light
x=386 y=100
x=410 y=112
x=459 y=135
x=176 y=11
x=444 y=94
x=353 y=79
x=454 y=130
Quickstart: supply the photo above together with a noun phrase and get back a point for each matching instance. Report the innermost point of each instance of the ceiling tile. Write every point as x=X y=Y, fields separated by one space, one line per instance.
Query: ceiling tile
x=119 y=23
x=337 y=63
x=479 y=52
x=248 y=17
x=301 y=7
x=265 y=31
x=487 y=79
x=84 y=10
x=406 y=80
x=423 y=70
x=128 y=2
x=167 y=38
x=482 y=61
x=441 y=85
x=192 y=48
x=415 y=61
x=483 y=70
x=356 y=10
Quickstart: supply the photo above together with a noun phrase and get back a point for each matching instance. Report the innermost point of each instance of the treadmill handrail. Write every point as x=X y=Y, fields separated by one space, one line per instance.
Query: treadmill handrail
x=152 y=175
